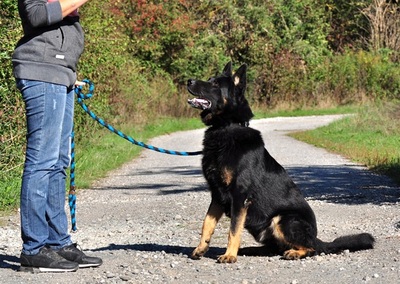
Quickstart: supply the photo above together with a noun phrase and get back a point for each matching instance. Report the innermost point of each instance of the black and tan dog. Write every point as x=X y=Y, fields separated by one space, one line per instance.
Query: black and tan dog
x=248 y=184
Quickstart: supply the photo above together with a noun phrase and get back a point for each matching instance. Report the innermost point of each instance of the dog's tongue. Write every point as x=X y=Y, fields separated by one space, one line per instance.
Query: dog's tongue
x=200 y=103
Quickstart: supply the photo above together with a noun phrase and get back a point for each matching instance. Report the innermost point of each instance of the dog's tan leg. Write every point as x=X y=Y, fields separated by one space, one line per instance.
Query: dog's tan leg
x=235 y=234
x=214 y=213
x=297 y=253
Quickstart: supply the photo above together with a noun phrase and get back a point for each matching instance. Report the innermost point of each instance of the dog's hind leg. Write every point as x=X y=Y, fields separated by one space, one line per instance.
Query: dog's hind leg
x=235 y=234
x=214 y=213
x=296 y=234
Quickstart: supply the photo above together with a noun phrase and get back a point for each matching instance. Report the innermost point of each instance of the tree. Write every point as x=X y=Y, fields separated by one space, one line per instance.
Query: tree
x=349 y=26
x=384 y=19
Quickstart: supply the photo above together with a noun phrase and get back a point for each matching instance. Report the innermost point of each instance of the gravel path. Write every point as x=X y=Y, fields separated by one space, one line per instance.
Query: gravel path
x=145 y=218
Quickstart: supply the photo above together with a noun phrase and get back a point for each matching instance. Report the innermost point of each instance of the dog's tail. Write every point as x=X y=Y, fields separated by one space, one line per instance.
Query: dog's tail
x=351 y=242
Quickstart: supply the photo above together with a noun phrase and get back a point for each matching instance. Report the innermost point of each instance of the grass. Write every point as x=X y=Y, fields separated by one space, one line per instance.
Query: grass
x=371 y=138
x=9 y=196
x=262 y=113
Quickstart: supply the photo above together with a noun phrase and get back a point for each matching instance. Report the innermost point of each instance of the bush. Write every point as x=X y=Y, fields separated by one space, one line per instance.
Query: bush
x=12 y=126
x=356 y=77
x=140 y=53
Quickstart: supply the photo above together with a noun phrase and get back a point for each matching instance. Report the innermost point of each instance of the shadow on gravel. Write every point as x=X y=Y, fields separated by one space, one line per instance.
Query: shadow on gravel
x=158 y=176
x=344 y=184
x=181 y=171
x=9 y=262
x=160 y=188
x=212 y=253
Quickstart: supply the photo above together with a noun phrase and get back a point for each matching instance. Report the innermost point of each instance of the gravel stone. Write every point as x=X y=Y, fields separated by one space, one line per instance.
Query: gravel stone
x=145 y=218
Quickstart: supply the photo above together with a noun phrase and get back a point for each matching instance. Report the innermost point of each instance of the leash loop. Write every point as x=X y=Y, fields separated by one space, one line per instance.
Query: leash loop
x=78 y=90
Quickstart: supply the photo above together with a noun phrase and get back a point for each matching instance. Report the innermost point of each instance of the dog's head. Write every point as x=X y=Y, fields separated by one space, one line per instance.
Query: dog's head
x=222 y=97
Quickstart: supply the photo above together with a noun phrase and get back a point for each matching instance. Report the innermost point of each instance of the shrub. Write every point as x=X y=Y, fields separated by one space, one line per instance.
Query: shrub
x=140 y=53
x=12 y=126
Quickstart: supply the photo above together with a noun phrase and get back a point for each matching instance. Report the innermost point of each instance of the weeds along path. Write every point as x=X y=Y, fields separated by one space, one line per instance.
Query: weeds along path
x=145 y=218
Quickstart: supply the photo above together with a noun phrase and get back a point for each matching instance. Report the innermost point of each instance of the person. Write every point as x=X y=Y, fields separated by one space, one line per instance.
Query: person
x=44 y=65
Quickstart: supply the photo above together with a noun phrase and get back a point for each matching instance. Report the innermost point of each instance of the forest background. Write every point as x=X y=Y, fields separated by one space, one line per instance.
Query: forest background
x=305 y=54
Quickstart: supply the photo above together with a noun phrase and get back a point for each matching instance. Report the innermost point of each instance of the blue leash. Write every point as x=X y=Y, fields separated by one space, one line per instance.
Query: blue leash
x=71 y=194
x=80 y=98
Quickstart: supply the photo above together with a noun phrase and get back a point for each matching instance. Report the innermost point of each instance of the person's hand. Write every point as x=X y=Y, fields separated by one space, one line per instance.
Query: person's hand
x=70 y=6
x=79 y=83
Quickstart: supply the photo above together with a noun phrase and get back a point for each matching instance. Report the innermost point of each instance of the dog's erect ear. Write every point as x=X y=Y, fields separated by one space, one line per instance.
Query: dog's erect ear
x=227 y=69
x=239 y=78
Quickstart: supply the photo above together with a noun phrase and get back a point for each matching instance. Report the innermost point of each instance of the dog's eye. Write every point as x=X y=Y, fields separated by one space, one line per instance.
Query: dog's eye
x=213 y=82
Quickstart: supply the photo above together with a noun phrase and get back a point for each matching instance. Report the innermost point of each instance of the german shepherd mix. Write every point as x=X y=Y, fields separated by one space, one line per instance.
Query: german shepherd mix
x=248 y=185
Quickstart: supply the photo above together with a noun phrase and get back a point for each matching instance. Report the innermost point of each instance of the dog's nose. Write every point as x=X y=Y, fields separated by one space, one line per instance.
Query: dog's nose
x=190 y=82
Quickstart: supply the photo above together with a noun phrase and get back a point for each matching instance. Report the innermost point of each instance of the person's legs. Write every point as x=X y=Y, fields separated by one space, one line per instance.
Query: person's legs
x=47 y=244
x=45 y=110
x=57 y=217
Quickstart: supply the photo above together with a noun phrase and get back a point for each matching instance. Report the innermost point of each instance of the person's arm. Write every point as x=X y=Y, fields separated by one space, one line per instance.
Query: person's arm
x=69 y=6
x=48 y=12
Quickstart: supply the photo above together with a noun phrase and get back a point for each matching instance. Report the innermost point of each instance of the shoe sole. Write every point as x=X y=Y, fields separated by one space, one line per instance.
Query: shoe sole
x=89 y=265
x=45 y=269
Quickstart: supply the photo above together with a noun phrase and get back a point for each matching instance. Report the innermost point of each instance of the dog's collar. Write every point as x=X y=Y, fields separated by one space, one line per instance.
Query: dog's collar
x=225 y=124
x=244 y=124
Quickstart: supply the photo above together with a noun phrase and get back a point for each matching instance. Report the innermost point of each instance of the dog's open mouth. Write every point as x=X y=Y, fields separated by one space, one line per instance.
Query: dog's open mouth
x=200 y=103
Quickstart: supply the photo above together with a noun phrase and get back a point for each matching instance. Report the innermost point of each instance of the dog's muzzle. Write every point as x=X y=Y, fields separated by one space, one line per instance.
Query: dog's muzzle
x=200 y=103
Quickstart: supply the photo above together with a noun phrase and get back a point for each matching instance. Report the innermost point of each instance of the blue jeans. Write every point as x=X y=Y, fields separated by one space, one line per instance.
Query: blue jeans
x=49 y=114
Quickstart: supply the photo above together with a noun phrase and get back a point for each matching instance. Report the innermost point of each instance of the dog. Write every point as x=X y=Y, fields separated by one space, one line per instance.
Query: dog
x=248 y=185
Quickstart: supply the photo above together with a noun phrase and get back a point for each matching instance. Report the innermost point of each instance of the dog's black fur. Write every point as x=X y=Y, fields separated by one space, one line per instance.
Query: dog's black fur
x=248 y=184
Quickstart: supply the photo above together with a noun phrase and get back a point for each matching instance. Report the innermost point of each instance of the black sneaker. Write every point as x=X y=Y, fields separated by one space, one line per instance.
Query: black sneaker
x=46 y=260
x=72 y=253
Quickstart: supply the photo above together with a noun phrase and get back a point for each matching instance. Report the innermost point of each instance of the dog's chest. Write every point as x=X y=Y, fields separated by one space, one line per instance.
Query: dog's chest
x=219 y=179
x=219 y=158
x=214 y=167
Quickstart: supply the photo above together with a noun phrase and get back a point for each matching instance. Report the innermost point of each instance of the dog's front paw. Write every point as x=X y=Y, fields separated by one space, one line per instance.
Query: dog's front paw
x=227 y=258
x=198 y=252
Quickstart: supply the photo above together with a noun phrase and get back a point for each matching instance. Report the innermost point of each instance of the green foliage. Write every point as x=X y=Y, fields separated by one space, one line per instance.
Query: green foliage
x=103 y=62
x=354 y=77
x=10 y=193
x=162 y=33
x=349 y=27
x=139 y=53
x=12 y=122
x=302 y=27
